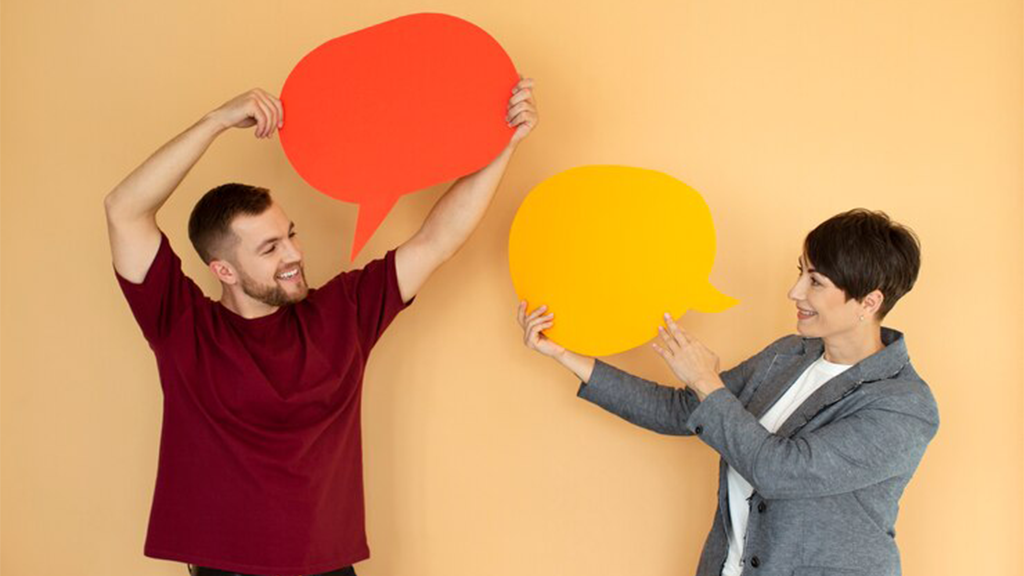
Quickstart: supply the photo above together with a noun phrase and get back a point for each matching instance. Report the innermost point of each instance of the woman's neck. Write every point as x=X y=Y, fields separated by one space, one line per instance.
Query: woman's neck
x=853 y=346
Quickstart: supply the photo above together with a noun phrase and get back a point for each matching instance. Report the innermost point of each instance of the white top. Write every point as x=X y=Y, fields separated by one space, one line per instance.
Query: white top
x=740 y=490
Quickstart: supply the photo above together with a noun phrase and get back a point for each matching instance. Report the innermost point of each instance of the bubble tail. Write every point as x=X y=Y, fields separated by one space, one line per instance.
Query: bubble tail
x=368 y=220
x=710 y=300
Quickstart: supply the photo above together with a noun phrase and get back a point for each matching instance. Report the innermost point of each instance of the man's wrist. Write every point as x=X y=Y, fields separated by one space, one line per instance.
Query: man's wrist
x=212 y=121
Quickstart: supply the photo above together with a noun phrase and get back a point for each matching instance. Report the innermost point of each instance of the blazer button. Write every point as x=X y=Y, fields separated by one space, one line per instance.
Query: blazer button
x=761 y=507
x=699 y=429
x=755 y=561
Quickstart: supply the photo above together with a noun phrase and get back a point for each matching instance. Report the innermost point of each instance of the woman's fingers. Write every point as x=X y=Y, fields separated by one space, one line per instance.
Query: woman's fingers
x=670 y=342
x=533 y=315
x=539 y=320
x=533 y=333
x=662 y=352
x=681 y=338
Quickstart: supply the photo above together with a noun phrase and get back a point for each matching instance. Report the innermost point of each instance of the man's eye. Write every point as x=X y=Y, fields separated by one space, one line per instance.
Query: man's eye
x=292 y=234
x=272 y=248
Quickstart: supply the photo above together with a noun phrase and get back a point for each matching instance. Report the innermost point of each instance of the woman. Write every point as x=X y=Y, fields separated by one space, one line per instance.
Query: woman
x=819 y=433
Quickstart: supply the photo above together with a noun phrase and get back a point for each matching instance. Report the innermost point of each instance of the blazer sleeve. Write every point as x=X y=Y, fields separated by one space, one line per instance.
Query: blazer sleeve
x=884 y=438
x=661 y=409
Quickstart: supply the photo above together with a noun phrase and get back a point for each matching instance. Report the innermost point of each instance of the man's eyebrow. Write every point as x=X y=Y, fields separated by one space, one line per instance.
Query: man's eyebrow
x=291 y=228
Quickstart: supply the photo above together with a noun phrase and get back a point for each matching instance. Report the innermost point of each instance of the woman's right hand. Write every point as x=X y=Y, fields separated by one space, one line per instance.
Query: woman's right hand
x=533 y=325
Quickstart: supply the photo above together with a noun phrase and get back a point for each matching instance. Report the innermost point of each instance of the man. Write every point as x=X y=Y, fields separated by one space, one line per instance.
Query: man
x=260 y=457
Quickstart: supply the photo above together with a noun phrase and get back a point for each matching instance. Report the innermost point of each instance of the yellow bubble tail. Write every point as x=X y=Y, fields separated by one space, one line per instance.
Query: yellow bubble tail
x=708 y=299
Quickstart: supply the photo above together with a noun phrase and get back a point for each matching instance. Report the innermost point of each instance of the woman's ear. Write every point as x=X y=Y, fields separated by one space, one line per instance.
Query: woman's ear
x=872 y=303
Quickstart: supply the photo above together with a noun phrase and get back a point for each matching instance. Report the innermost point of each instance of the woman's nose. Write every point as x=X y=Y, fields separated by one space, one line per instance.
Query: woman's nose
x=796 y=293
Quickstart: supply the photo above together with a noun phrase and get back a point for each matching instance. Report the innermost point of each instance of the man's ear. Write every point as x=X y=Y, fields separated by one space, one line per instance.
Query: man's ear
x=224 y=271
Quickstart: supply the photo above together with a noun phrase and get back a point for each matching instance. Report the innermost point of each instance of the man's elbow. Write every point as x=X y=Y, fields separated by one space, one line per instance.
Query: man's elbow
x=114 y=208
x=434 y=247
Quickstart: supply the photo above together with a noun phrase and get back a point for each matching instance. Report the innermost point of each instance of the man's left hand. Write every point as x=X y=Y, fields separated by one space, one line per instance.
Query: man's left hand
x=522 y=110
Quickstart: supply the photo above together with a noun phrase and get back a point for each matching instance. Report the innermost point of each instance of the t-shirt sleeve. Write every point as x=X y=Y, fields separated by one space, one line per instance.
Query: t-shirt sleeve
x=373 y=292
x=164 y=295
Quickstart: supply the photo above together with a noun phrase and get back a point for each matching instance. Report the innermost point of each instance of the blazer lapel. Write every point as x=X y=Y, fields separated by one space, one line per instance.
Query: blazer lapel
x=787 y=368
x=883 y=364
x=831 y=392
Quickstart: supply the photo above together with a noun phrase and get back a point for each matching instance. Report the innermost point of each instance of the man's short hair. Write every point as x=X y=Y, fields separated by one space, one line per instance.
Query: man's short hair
x=209 y=226
x=863 y=250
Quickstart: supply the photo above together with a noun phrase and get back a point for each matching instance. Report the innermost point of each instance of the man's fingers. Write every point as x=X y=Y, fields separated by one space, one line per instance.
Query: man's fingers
x=523 y=84
x=274 y=106
x=520 y=107
x=520 y=96
x=280 y=109
x=269 y=116
x=260 y=114
x=524 y=119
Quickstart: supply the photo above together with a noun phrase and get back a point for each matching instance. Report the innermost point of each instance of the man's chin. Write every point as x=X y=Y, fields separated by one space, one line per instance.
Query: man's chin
x=297 y=295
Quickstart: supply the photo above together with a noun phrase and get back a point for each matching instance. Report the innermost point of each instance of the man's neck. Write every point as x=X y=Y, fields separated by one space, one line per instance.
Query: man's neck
x=245 y=306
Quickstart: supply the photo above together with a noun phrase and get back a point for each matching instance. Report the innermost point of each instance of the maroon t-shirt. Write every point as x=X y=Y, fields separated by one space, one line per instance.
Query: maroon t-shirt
x=260 y=453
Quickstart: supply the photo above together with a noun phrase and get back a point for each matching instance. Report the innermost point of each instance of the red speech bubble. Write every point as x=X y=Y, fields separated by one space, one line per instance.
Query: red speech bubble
x=395 y=108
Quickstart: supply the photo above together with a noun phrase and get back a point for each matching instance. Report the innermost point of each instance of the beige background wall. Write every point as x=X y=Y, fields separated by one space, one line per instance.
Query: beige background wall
x=479 y=459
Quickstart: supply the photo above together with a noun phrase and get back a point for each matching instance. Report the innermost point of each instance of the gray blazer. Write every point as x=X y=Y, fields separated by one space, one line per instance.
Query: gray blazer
x=826 y=485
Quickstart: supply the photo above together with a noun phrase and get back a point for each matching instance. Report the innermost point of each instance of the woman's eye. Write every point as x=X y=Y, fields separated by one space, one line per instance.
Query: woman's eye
x=815 y=282
x=292 y=234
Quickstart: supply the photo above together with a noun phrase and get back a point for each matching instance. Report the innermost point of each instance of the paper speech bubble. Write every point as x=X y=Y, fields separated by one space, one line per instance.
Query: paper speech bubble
x=395 y=108
x=609 y=250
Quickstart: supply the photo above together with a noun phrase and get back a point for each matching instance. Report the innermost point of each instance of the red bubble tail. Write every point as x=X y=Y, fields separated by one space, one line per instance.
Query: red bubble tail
x=369 y=219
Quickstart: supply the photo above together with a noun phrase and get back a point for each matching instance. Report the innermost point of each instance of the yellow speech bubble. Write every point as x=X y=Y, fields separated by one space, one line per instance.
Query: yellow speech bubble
x=609 y=250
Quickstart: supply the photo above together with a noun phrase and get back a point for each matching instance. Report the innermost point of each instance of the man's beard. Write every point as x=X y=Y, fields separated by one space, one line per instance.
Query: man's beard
x=273 y=294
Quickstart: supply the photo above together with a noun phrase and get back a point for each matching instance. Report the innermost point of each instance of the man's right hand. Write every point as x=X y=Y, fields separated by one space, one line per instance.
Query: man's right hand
x=132 y=205
x=257 y=107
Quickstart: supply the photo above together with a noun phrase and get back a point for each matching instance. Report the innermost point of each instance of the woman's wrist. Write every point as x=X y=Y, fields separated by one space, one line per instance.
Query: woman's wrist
x=581 y=366
x=707 y=385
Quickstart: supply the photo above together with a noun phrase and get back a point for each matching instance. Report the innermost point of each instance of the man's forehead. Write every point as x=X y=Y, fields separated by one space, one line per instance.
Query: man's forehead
x=255 y=228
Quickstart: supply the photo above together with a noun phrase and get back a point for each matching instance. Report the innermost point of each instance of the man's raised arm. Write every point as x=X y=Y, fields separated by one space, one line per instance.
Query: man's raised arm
x=132 y=205
x=458 y=212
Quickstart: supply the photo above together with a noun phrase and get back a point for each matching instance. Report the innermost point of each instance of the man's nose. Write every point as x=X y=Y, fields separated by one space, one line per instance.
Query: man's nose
x=292 y=252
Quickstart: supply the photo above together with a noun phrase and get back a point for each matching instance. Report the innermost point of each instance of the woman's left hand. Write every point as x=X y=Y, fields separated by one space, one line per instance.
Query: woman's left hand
x=691 y=361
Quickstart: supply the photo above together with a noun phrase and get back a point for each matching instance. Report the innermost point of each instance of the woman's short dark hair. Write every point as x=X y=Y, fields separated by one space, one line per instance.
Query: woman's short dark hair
x=209 y=226
x=863 y=250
